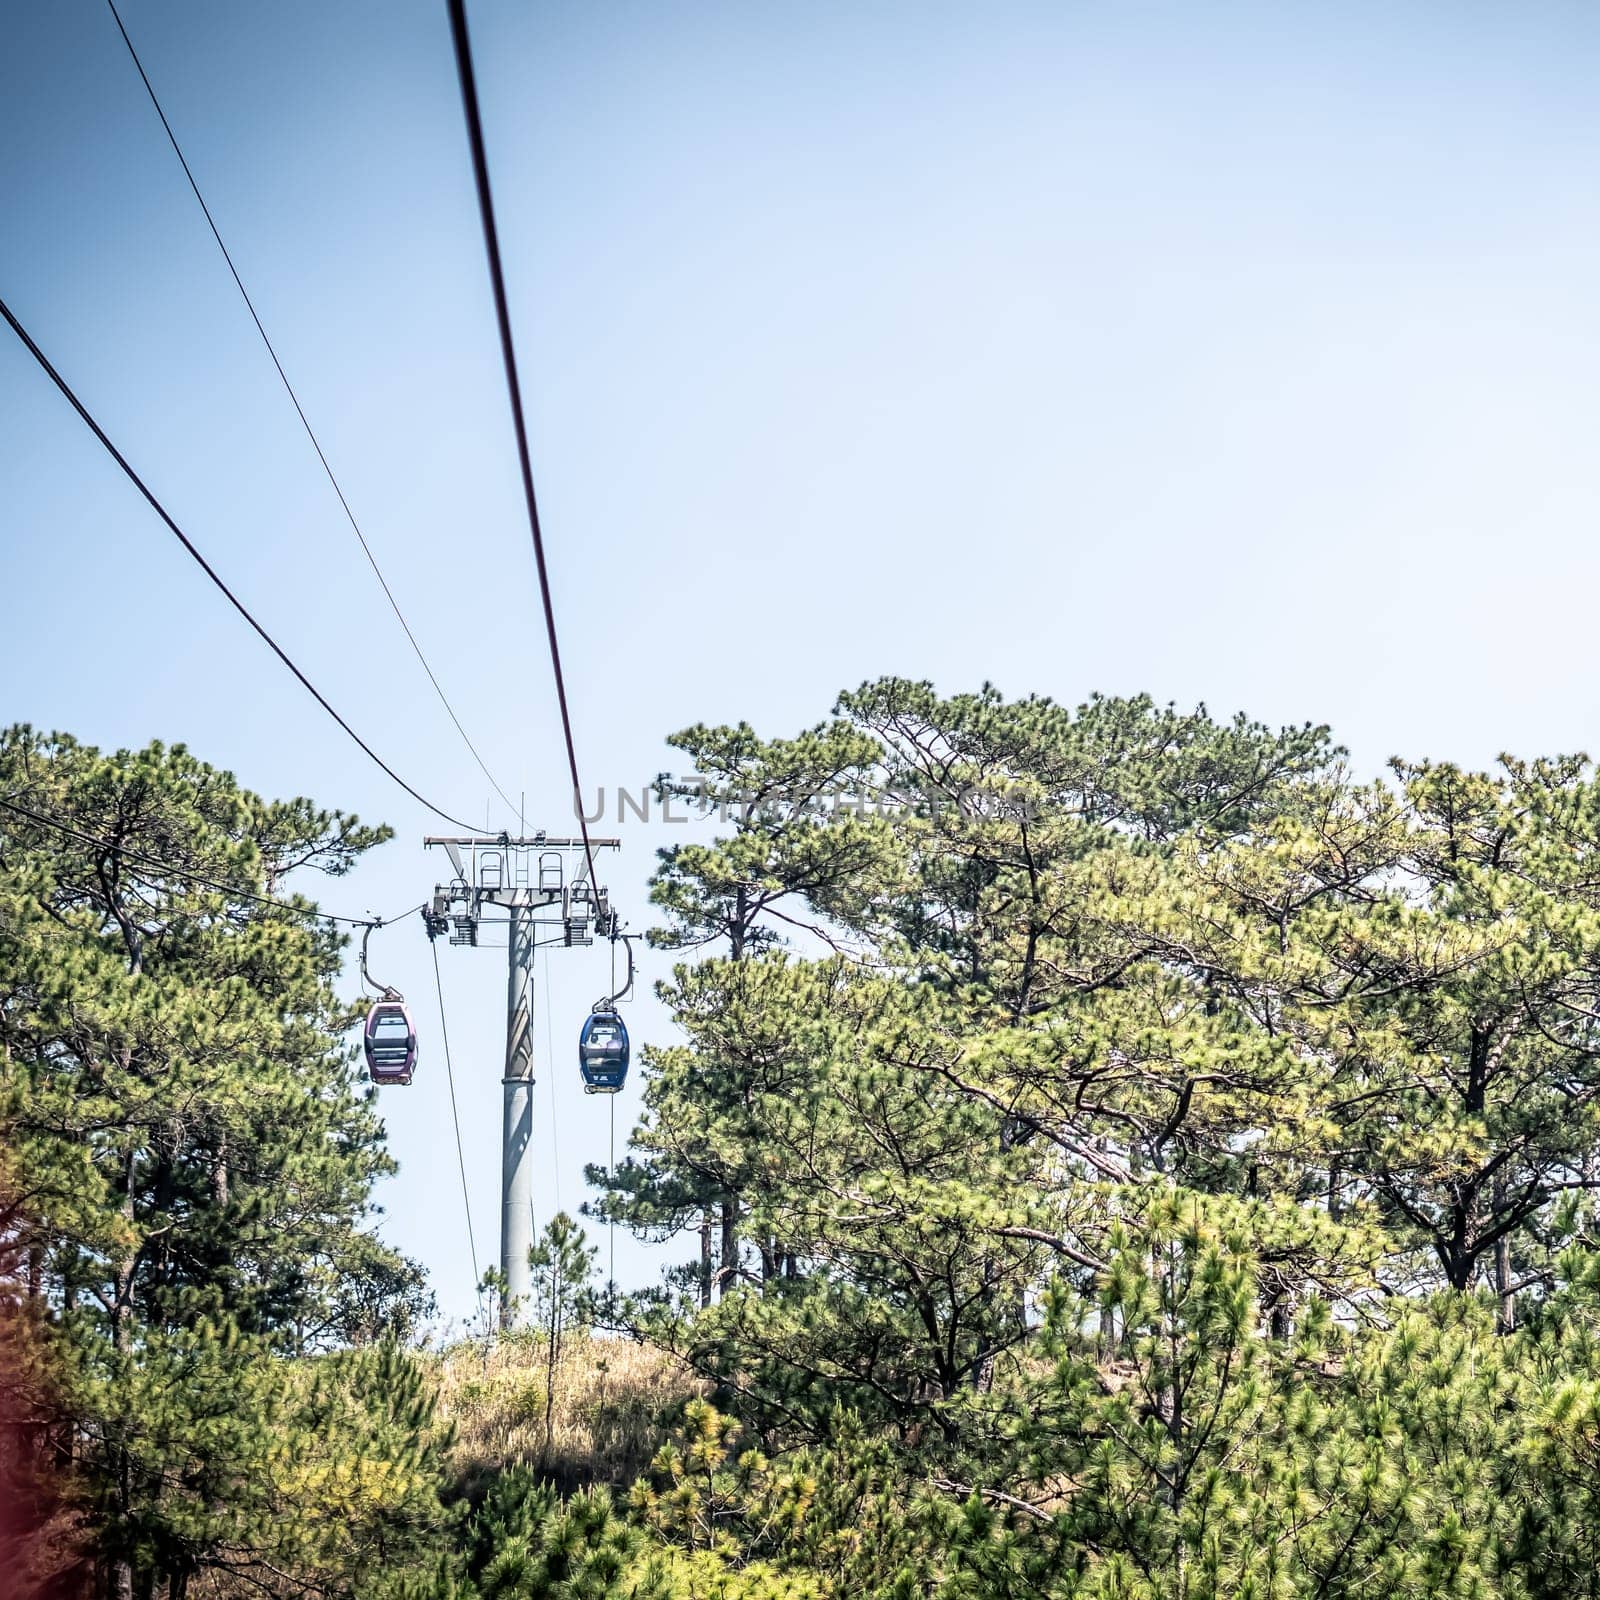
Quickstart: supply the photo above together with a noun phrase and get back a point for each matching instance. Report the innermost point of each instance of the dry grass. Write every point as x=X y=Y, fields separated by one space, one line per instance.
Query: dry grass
x=610 y=1395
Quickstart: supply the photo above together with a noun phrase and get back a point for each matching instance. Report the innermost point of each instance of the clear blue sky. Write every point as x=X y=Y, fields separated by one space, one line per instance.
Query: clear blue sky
x=1242 y=353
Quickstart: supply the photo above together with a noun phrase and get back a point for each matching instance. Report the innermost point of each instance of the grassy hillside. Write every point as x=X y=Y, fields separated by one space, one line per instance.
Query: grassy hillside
x=609 y=1395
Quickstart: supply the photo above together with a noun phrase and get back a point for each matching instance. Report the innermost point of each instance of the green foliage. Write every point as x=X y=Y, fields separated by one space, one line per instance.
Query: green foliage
x=562 y=1262
x=1125 y=1126
x=1130 y=1159
x=703 y=1494
x=193 y=1159
x=541 y=1550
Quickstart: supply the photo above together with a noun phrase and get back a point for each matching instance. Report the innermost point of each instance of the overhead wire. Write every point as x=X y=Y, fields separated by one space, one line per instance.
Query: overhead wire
x=206 y=567
x=491 y=239
x=461 y=1158
x=294 y=398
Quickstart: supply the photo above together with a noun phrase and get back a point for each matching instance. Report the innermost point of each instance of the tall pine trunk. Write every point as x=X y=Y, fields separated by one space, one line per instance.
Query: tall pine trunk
x=1505 y=1292
x=728 y=1268
x=705 y=1259
x=121 y=1574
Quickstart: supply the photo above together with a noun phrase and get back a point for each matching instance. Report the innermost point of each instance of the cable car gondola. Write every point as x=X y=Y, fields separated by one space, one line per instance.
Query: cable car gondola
x=603 y=1052
x=603 y=1041
x=390 y=1036
x=390 y=1040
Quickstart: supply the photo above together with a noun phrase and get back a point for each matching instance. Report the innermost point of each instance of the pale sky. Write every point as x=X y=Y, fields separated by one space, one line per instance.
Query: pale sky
x=1239 y=353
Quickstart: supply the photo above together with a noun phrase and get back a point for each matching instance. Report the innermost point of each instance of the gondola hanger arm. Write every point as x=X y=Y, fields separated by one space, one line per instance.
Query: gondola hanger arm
x=609 y=1002
x=388 y=991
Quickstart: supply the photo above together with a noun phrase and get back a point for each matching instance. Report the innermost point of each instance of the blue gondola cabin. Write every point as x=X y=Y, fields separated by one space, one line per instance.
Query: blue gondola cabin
x=603 y=1053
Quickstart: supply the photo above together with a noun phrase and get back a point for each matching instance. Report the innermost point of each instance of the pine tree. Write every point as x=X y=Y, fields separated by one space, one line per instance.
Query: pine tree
x=562 y=1265
x=1165 y=1050
x=193 y=1152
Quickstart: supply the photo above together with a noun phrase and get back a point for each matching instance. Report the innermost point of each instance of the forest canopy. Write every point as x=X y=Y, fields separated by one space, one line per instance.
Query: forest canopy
x=1119 y=1153
x=1188 y=1165
x=187 y=1201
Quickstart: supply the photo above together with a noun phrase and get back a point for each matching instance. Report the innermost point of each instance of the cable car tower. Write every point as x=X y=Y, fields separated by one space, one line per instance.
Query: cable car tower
x=527 y=876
